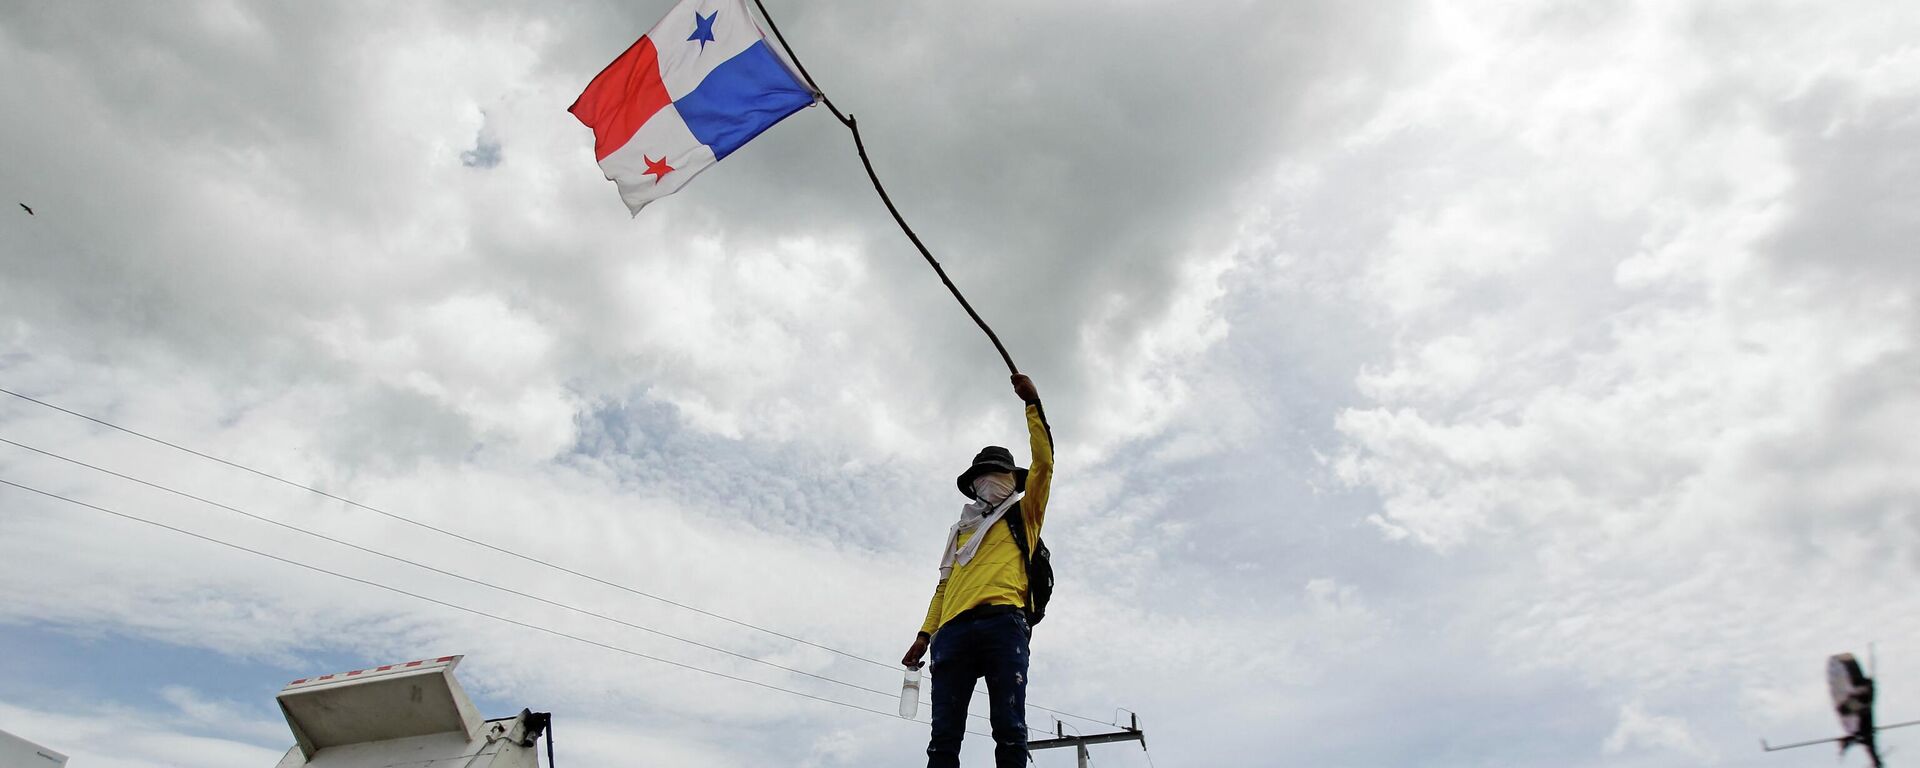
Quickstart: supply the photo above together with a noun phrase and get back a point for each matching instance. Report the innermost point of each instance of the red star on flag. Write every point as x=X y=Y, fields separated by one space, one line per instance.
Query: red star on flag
x=658 y=169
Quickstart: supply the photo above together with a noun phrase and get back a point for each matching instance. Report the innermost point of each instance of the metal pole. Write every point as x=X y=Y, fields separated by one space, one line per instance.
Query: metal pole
x=1080 y=743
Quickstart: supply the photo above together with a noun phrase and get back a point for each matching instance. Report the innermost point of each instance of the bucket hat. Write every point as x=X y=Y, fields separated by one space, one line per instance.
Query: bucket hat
x=992 y=458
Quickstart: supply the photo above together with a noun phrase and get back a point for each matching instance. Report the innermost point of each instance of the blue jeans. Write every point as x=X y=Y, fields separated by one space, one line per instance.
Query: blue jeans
x=994 y=647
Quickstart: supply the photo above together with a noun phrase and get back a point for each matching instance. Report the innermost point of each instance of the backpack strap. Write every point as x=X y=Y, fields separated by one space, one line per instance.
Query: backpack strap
x=1017 y=526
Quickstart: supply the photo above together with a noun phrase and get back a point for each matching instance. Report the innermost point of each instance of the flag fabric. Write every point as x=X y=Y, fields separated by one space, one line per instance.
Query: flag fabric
x=699 y=85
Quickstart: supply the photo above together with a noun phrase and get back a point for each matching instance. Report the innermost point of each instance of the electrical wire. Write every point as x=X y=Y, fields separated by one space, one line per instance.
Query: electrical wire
x=482 y=544
x=451 y=574
x=456 y=606
x=443 y=572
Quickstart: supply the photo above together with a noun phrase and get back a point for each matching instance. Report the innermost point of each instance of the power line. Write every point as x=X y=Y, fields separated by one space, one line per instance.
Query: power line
x=443 y=572
x=482 y=544
x=451 y=574
x=455 y=606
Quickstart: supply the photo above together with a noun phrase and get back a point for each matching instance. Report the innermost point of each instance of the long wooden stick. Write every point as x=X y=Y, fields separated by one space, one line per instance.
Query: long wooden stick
x=861 y=146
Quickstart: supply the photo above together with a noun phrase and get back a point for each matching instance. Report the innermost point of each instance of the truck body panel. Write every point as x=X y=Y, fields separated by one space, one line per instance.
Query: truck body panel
x=408 y=715
x=16 y=752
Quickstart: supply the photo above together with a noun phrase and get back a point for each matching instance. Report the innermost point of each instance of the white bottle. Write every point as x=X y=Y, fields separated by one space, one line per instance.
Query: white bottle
x=910 y=694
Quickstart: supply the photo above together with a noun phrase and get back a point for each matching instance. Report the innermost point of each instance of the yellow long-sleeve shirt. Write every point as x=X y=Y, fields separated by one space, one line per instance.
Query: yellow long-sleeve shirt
x=995 y=575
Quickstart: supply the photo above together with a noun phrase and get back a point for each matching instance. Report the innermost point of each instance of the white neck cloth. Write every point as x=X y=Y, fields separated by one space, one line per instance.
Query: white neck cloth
x=978 y=517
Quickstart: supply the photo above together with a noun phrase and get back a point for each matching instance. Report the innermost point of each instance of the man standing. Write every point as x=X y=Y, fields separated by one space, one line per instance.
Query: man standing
x=977 y=621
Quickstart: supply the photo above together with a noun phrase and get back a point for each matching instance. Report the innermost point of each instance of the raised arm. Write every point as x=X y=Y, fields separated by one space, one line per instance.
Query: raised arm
x=1033 y=506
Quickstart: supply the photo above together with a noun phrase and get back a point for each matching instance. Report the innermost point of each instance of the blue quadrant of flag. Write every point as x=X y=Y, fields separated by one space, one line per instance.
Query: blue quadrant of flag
x=740 y=99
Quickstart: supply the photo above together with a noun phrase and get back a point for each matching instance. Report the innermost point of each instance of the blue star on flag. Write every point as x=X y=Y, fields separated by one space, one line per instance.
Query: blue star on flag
x=703 y=29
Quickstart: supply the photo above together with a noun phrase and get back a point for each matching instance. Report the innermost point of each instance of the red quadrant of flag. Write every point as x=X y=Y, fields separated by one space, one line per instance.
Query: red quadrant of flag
x=622 y=97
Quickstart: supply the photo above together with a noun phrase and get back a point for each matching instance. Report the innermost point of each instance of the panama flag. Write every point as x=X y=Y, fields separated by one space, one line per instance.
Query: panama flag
x=699 y=85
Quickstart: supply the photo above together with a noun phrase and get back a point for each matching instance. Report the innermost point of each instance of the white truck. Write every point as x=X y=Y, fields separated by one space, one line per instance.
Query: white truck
x=411 y=715
x=16 y=752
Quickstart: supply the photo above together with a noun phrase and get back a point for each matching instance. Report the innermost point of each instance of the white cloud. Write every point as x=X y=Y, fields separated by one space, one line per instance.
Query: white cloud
x=1638 y=729
x=219 y=716
x=1412 y=362
x=1625 y=372
x=120 y=737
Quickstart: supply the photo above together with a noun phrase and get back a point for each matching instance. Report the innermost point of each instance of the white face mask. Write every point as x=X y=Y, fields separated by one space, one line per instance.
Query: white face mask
x=993 y=488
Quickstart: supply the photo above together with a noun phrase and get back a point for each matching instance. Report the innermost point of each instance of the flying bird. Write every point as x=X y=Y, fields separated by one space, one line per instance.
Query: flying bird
x=23 y=206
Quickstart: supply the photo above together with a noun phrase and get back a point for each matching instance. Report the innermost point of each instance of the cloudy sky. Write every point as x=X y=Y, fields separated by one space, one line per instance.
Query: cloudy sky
x=1437 y=383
